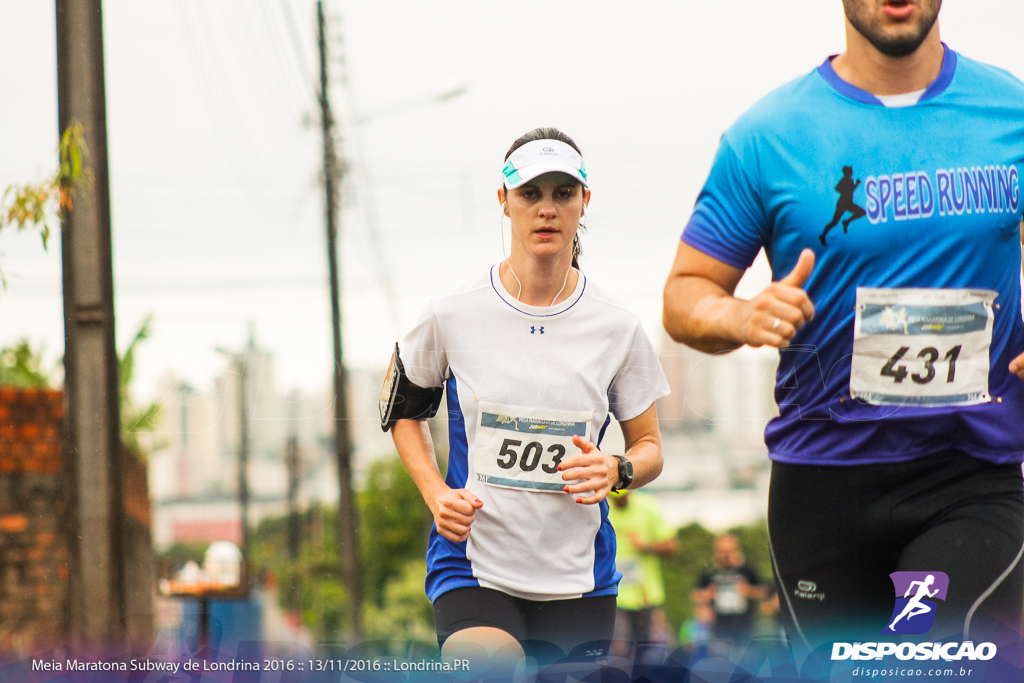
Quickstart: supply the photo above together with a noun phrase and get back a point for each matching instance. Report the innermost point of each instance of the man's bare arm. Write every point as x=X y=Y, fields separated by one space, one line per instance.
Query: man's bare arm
x=701 y=311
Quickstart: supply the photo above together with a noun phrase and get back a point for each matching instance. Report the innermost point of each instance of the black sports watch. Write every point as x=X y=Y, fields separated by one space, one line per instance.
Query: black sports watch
x=625 y=473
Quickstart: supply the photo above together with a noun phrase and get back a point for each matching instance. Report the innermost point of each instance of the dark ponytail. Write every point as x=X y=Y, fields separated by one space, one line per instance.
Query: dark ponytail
x=549 y=133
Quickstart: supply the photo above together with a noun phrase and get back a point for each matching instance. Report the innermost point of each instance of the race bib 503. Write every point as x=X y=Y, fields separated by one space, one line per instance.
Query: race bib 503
x=521 y=448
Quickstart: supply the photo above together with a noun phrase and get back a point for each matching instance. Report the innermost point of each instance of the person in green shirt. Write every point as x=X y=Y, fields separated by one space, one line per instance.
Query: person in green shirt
x=642 y=538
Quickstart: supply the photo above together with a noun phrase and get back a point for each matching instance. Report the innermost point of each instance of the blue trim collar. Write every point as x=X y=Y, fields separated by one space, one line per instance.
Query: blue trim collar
x=937 y=87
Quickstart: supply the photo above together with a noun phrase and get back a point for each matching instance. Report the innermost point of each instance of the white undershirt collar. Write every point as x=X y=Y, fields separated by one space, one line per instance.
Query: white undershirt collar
x=906 y=99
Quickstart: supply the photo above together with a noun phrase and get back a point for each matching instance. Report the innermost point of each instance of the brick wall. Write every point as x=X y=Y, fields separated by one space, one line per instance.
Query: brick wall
x=33 y=520
x=33 y=551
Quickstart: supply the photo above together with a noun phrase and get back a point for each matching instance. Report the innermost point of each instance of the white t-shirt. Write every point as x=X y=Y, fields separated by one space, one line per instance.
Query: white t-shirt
x=520 y=380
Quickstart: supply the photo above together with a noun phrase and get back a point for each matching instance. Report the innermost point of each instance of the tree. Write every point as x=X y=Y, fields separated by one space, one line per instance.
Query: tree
x=395 y=524
x=134 y=418
x=404 y=609
x=21 y=366
x=680 y=572
x=40 y=204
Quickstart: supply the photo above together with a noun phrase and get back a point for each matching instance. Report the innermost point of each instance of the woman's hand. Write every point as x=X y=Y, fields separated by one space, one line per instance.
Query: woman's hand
x=598 y=472
x=454 y=511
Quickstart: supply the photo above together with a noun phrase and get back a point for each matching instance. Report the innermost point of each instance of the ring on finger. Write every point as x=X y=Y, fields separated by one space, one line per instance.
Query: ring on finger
x=775 y=324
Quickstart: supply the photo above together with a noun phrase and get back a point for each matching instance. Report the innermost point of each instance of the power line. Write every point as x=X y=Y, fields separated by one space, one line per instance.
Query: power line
x=227 y=88
x=262 y=42
x=373 y=230
x=301 y=58
x=273 y=29
x=225 y=137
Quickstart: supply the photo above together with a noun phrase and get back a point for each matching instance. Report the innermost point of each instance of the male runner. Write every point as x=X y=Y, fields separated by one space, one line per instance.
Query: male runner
x=899 y=438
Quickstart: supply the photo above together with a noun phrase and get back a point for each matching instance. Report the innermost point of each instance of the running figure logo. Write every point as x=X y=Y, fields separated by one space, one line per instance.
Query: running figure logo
x=845 y=187
x=893 y=319
x=914 y=613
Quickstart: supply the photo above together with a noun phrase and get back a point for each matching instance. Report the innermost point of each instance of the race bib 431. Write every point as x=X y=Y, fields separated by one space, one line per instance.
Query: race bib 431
x=924 y=347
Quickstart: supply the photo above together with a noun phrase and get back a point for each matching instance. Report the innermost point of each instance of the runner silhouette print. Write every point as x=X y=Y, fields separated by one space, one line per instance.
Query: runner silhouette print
x=845 y=187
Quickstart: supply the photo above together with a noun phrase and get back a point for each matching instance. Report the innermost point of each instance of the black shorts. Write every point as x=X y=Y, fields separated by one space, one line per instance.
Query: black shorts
x=581 y=628
x=837 y=532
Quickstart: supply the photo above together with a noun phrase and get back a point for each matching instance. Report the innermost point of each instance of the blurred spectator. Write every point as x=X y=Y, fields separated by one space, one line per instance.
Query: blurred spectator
x=642 y=537
x=730 y=588
x=696 y=631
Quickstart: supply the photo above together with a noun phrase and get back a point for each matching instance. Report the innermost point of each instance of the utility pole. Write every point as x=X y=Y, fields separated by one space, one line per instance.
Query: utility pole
x=292 y=465
x=92 y=447
x=348 y=535
x=243 y=445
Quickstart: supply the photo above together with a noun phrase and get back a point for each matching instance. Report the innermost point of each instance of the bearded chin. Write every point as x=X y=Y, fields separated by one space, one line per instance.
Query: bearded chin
x=898 y=47
x=893 y=46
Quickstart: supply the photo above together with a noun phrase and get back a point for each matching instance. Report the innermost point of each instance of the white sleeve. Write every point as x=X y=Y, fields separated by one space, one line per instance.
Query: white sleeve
x=422 y=351
x=640 y=380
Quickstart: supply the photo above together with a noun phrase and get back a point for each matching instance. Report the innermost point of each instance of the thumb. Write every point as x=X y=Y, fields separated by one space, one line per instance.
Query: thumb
x=471 y=498
x=801 y=271
x=582 y=443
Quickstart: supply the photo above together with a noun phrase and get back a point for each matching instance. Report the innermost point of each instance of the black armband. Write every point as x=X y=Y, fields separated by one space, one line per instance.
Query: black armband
x=400 y=399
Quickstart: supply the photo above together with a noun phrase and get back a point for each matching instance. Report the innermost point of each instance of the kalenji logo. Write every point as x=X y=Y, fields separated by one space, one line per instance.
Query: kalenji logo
x=916 y=593
x=808 y=590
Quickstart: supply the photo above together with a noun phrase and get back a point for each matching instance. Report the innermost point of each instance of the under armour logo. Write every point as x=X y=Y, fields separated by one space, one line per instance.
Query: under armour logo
x=536 y=330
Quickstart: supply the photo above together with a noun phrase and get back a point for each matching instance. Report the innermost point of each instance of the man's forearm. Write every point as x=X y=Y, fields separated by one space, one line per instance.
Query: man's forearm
x=700 y=314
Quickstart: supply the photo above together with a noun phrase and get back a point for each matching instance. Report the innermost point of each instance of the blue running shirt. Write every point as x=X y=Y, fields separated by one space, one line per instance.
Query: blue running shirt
x=924 y=196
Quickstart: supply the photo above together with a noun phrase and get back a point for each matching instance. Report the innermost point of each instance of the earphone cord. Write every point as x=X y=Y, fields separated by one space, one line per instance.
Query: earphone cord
x=501 y=229
x=563 y=285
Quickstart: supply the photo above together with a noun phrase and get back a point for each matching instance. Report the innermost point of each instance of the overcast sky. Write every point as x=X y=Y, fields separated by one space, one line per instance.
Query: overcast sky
x=215 y=151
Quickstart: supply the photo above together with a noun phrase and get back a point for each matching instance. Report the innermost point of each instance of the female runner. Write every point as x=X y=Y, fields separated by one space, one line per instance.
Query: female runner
x=533 y=358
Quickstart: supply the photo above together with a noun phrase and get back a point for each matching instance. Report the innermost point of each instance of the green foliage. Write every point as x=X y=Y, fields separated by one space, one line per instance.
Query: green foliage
x=72 y=172
x=134 y=418
x=28 y=205
x=327 y=607
x=21 y=366
x=682 y=570
x=174 y=558
x=404 y=608
x=754 y=542
x=41 y=204
x=394 y=524
x=311 y=584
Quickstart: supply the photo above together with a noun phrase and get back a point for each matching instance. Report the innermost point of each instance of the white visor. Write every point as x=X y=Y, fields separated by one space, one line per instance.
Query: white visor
x=540 y=157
